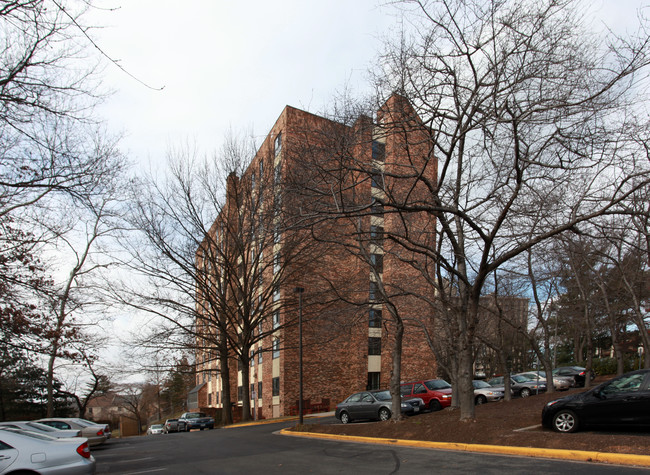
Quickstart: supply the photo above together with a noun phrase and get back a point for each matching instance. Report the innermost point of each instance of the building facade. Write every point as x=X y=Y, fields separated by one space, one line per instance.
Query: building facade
x=308 y=220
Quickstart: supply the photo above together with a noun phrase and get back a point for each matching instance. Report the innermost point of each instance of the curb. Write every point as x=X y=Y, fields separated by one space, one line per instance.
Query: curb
x=275 y=421
x=563 y=454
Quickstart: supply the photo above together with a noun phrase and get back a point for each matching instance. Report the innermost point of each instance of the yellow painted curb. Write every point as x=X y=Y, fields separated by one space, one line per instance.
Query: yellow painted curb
x=578 y=455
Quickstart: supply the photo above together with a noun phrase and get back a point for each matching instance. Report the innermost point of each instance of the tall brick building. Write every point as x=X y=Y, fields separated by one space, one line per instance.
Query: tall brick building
x=306 y=173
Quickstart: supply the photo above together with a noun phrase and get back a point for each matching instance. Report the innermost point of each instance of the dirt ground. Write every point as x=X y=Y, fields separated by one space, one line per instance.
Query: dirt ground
x=512 y=423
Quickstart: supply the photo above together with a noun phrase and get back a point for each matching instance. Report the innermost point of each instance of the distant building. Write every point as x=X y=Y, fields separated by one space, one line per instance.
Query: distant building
x=347 y=345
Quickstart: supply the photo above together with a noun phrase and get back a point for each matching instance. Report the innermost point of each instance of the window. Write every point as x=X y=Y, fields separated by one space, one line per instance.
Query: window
x=376 y=180
x=378 y=151
x=259 y=390
x=209 y=399
x=276 y=295
x=240 y=393
x=276 y=263
x=252 y=390
x=376 y=207
x=375 y=318
x=252 y=358
x=253 y=180
x=374 y=290
x=259 y=356
x=276 y=320
x=276 y=348
x=377 y=262
x=374 y=345
x=278 y=175
x=419 y=389
x=377 y=235
x=276 y=234
x=278 y=144
x=276 y=386
x=373 y=380
x=261 y=170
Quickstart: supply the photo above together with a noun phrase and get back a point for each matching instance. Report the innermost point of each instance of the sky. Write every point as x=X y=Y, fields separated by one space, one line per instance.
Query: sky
x=228 y=65
x=234 y=65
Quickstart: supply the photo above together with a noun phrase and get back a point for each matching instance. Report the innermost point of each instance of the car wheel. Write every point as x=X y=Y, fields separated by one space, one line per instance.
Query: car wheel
x=384 y=414
x=565 y=421
x=434 y=405
x=480 y=400
x=345 y=418
x=525 y=392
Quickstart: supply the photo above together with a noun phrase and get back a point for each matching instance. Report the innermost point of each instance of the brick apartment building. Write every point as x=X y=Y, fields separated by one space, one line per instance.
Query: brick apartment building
x=348 y=331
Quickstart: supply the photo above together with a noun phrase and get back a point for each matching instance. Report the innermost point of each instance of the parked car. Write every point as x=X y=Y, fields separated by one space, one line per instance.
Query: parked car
x=42 y=429
x=436 y=393
x=375 y=404
x=195 y=420
x=94 y=434
x=28 y=452
x=483 y=392
x=623 y=401
x=578 y=374
x=156 y=429
x=561 y=383
x=171 y=425
x=107 y=428
x=519 y=385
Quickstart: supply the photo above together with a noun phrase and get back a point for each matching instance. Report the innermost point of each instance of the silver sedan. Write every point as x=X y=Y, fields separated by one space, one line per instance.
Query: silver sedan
x=42 y=429
x=94 y=433
x=28 y=452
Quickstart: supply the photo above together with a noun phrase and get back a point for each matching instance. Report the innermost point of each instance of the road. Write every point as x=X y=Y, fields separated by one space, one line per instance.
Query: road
x=258 y=449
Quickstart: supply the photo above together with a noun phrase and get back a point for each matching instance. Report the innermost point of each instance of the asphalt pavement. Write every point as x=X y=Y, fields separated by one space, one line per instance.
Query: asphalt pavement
x=267 y=447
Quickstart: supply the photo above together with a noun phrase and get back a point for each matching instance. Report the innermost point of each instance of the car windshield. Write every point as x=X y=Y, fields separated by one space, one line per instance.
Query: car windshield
x=496 y=381
x=194 y=415
x=480 y=384
x=41 y=427
x=382 y=395
x=437 y=384
x=157 y=426
x=520 y=379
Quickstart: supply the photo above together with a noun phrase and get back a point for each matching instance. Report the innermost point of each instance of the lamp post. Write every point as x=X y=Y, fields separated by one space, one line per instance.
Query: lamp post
x=300 y=290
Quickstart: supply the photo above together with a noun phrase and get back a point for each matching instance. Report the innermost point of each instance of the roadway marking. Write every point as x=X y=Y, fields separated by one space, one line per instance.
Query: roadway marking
x=133 y=460
x=536 y=426
x=147 y=471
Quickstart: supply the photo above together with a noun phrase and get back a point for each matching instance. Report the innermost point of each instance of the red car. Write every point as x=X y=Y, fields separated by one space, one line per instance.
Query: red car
x=436 y=393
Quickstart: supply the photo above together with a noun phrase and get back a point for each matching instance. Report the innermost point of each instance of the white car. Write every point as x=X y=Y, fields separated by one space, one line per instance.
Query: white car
x=156 y=429
x=28 y=452
x=107 y=428
x=94 y=433
x=42 y=429
x=560 y=383
x=483 y=392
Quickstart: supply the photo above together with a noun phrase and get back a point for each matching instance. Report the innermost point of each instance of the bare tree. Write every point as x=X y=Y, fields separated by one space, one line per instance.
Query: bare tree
x=523 y=110
x=212 y=233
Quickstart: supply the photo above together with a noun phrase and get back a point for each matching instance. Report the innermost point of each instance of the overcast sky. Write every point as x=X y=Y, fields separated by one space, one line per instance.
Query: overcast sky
x=229 y=64
x=235 y=64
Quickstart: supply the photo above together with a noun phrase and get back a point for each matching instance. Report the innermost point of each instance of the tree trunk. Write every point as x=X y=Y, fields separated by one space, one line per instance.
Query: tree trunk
x=245 y=380
x=395 y=374
x=225 y=380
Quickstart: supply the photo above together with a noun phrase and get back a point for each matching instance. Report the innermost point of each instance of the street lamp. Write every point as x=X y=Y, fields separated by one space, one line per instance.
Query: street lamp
x=299 y=290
